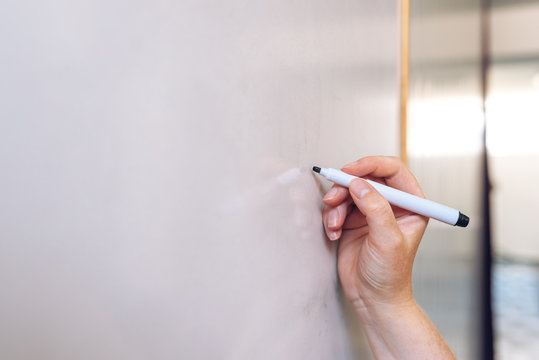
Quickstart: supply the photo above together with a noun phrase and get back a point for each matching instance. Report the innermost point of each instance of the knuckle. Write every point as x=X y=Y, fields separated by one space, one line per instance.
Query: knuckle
x=377 y=207
x=398 y=161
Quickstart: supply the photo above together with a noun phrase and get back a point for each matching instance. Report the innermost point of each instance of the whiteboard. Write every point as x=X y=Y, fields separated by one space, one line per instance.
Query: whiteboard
x=157 y=198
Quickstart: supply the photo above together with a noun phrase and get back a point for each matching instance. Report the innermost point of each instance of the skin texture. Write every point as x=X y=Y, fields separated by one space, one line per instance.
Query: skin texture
x=376 y=253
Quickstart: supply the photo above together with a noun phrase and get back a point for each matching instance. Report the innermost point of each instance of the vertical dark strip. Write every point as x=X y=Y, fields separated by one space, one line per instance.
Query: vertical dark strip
x=487 y=338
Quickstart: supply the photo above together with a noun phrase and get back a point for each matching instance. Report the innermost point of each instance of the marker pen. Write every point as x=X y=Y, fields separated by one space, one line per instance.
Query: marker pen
x=402 y=199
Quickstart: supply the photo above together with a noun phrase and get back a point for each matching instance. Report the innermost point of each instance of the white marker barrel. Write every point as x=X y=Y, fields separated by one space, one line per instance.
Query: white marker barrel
x=403 y=199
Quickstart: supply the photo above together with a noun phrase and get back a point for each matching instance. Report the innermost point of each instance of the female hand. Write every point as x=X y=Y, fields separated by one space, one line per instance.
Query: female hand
x=378 y=242
x=375 y=258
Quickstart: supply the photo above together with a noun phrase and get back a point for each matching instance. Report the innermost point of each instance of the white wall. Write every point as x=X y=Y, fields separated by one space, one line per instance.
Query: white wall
x=156 y=196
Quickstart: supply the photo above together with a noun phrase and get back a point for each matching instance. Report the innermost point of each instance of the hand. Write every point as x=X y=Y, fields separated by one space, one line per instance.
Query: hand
x=378 y=242
x=375 y=258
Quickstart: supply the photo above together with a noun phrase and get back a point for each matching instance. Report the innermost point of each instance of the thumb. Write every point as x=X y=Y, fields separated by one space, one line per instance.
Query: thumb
x=378 y=213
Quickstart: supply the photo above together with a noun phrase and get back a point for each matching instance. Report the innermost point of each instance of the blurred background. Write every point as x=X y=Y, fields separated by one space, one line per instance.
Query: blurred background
x=487 y=155
x=512 y=113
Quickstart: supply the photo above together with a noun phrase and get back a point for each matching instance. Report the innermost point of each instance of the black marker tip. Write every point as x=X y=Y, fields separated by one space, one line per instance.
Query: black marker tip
x=316 y=169
x=463 y=220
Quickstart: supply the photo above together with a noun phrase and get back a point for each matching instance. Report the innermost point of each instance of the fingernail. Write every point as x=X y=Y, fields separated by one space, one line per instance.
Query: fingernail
x=359 y=188
x=330 y=194
x=333 y=235
x=332 y=218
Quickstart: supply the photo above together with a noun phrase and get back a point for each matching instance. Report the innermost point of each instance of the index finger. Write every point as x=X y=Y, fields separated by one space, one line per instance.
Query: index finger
x=391 y=169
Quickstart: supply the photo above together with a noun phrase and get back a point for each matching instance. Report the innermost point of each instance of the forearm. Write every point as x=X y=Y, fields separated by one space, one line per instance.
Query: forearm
x=402 y=332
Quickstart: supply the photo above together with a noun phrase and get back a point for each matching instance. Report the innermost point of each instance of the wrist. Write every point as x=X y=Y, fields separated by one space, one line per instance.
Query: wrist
x=400 y=330
x=378 y=312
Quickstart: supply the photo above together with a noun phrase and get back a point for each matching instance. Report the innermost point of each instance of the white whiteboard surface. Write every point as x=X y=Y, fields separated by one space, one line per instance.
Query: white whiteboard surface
x=157 y=201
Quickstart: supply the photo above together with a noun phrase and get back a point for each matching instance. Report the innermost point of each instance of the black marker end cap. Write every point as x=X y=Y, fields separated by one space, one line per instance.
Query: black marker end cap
x=463 y=220
x=316 y=169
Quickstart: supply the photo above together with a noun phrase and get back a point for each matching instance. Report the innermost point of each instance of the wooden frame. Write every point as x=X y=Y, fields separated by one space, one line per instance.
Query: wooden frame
x=404 y=75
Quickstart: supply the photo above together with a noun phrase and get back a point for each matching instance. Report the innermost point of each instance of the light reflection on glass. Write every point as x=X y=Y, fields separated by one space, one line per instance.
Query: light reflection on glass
x=513 y=111
x=449 y=125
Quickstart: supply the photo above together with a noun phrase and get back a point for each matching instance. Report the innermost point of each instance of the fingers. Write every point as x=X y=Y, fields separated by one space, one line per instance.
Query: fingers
x=337 y=200
x=336 y=195
x=392 y=169
x=374 y=210
x=334 y=217
x=354 y=220
x=377 y=211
